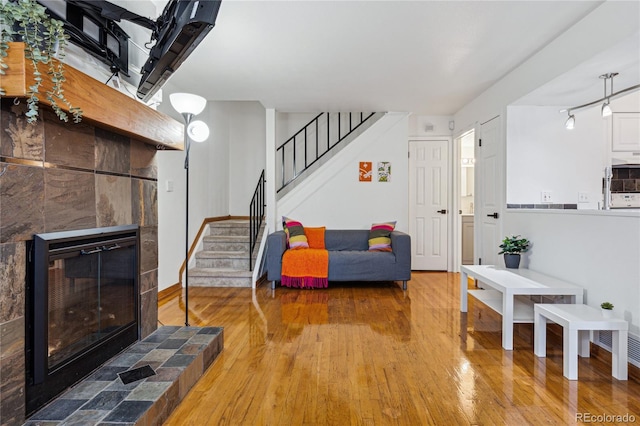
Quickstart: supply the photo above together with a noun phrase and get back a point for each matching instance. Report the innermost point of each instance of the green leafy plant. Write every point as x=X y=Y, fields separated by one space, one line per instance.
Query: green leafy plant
x=514 y=245
x=606 y=305
x=44 y=39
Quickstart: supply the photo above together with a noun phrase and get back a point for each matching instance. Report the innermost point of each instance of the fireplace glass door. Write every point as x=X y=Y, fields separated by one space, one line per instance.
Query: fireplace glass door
x=91 y=295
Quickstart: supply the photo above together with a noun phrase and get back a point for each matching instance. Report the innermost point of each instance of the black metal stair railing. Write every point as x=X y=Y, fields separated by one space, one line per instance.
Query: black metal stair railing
x=256 y=216
x=307 y=146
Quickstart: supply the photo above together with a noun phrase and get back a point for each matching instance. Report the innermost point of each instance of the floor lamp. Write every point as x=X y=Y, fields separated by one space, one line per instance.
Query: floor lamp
x=189 y=106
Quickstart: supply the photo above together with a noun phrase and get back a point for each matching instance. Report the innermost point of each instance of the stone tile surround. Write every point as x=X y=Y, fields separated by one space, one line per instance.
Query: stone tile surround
x=178 y=355
x=57 y=176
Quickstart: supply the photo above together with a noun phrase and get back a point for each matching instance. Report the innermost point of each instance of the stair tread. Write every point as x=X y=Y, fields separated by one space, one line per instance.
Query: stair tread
x=229 y=223
x=227 y=238
x=225 y=276
x=205 y=272
x=218 y=254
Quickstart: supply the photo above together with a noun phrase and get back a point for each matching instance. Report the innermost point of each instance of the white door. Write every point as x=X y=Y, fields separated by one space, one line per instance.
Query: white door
x=489 y=185
x=428 y=194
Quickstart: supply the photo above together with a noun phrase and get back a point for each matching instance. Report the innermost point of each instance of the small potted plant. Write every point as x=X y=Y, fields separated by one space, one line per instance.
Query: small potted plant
x=607 y=309
x=511 y=248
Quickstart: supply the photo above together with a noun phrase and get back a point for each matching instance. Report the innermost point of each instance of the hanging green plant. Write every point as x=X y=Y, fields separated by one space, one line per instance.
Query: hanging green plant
x=45 y=41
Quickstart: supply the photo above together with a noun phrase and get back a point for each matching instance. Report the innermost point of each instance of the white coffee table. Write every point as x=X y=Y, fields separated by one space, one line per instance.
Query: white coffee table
x=505 y=285
x=577 y=321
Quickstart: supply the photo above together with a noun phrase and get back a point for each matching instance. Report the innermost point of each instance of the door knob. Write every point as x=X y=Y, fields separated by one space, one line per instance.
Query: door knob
x=443 y=211
x=494 y=215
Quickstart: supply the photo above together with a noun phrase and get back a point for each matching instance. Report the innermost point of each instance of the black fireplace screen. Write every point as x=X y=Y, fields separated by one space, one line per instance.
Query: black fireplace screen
x=83 y=305
x=90 y=296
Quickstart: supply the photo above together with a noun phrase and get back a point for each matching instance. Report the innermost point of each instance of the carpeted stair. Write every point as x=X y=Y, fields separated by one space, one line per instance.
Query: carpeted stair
x=224 y=262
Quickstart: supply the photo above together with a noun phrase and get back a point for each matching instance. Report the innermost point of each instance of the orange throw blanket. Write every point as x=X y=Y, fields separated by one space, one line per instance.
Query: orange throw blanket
x=305 y=268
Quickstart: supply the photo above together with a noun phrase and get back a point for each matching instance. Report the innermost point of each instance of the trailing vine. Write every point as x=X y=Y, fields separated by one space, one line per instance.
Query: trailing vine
x=45 y=42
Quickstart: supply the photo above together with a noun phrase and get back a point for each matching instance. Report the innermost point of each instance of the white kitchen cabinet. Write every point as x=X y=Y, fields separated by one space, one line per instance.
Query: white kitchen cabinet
x=625 y=132
x=467 y=240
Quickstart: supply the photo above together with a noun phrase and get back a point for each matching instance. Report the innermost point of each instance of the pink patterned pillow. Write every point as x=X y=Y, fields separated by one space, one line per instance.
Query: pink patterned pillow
x=380 y=236
x=296 y=238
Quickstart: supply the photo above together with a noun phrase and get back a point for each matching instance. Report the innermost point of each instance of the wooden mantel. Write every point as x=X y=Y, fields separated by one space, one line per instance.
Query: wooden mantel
x=101 y=105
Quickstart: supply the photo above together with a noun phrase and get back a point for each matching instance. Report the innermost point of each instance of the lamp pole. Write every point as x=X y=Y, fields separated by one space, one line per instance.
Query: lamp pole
x=189 y=106
x=187 y=146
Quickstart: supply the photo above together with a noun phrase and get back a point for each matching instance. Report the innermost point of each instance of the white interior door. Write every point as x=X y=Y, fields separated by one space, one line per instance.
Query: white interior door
x=489 y=189
x=428 y=198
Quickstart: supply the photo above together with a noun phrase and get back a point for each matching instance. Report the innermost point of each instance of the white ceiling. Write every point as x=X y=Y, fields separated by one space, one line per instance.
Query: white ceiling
x=425 y=57
x=583 y=85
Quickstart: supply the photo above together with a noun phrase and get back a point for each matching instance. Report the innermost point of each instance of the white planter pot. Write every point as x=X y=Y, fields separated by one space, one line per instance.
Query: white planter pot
x=607 y=313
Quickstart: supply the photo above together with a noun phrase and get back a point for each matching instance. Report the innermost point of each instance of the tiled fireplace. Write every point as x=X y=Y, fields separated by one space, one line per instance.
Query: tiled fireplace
x=82 y=306
x=61 y=177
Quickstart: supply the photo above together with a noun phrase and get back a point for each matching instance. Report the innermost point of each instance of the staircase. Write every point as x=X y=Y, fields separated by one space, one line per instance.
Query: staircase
x=315 y=143
x=224 y=262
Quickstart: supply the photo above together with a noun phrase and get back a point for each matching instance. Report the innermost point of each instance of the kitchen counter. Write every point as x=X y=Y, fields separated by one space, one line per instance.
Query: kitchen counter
x=612 y=212
x=467 y=239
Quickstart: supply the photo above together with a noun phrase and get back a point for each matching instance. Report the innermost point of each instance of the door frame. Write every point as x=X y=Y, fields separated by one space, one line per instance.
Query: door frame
x=450 y=195
x=480 y=184
x=456 y=167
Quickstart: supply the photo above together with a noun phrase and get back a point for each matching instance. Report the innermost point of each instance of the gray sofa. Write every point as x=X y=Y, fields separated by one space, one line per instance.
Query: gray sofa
x=349 y=257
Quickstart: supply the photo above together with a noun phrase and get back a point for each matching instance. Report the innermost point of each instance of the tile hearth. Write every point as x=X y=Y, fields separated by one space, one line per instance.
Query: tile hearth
x=178 y=355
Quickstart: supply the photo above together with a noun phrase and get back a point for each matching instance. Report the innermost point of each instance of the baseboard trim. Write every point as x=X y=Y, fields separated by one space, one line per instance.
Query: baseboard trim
x=262 y=280
x=169 y=293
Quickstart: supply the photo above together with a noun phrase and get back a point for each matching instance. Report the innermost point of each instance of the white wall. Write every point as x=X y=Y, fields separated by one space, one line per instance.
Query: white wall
x=544 y=156
x=223 y=173
x=288 y=123
x=334 y=197
x=208 y=193
x=215 y=173
x=235 y=157
x=421 y=125
x=597 y=250
x=247 y=153
x=171 y=214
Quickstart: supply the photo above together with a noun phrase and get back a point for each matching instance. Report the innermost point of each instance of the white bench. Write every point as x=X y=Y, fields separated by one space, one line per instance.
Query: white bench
x=577 y=321
x=506 y=285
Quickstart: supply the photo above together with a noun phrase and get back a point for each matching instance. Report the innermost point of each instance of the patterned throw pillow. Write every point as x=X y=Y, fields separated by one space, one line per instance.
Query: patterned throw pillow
x=315 y=236
x=296 y=239
x=380 y=236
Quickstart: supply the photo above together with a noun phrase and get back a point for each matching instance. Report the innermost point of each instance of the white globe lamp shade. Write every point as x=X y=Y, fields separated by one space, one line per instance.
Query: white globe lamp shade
x=187 y=103
x=198 y=131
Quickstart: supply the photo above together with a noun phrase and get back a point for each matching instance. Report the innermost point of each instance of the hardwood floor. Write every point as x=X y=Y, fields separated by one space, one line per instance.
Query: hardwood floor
x=371 y=354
